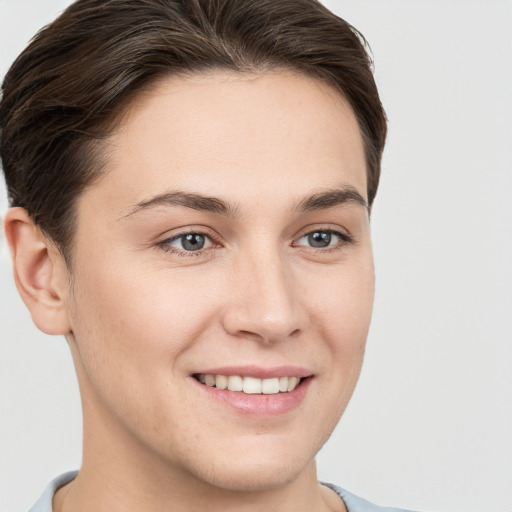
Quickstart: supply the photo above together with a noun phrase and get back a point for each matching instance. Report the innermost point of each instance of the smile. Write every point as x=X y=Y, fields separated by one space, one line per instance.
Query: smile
x=250 y=385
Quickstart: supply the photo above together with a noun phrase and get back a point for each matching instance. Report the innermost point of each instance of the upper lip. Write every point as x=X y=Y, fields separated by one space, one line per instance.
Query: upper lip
x=258 y=371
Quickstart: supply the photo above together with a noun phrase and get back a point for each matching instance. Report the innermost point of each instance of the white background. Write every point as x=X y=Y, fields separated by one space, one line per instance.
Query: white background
x=430 y=425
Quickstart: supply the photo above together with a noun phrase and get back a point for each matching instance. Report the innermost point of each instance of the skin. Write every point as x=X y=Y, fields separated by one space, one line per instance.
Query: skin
x=141 y=314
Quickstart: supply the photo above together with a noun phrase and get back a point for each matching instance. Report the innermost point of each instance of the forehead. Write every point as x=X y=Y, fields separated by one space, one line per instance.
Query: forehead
x=212 y=132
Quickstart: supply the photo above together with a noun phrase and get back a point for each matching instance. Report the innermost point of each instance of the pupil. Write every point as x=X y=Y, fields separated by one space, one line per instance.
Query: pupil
x=193 y=242
x=320 y=239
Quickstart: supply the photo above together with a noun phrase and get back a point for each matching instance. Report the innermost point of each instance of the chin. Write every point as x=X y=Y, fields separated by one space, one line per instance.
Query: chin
x=250 y=477
x=256 y=467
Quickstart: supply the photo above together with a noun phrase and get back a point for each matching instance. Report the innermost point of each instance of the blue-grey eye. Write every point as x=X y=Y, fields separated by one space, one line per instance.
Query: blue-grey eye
x=190 y=242
x=320 y=239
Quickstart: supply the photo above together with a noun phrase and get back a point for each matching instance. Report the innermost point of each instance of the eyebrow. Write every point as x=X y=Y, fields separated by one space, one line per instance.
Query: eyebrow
x=189 y=200
x=318 y=201
x=331 y=198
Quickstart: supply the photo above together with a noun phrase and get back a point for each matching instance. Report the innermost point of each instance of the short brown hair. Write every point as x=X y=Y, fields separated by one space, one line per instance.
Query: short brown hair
x=64 y=93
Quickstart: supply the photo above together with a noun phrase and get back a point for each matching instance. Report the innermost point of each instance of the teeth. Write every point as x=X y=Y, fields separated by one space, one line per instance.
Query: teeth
x=292 y=383
x=270 y=386
x=250 y=385
x=235 y=383
x=221 y=381
x=209 y=380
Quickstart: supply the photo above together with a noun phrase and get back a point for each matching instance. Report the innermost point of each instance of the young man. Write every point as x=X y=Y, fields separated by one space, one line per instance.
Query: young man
x=190 y=185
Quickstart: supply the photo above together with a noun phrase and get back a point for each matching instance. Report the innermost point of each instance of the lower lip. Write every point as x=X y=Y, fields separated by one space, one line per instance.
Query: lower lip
x=258 y=404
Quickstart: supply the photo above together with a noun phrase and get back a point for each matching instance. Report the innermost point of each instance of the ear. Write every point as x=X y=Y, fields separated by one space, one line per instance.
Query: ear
x=40 y=272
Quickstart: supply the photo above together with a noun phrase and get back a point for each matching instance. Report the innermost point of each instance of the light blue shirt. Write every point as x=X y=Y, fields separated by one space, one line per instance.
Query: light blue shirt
x=352 y=502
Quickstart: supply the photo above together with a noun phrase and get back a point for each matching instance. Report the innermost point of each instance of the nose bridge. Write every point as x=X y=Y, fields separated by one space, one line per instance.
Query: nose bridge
x=266 y=303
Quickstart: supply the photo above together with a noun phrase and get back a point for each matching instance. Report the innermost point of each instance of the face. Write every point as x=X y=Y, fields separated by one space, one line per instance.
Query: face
x=228 y=242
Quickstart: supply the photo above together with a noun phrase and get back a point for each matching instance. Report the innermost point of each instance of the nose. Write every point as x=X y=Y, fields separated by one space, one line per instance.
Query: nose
x=264 y=304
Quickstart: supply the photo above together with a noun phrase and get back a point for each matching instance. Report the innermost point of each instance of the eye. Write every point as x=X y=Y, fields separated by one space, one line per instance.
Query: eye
x=322 y=239
x=188 y=242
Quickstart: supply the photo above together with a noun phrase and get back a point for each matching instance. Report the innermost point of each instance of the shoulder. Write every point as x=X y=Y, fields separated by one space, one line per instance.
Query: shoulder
x=44 y=503
x=356 y=504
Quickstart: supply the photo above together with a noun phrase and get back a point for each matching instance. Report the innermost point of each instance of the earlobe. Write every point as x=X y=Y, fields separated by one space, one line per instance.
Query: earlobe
x=39 y=271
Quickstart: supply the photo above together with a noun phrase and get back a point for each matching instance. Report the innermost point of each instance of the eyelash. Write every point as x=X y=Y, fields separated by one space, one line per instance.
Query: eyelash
x=165 y=244
x=344 y=240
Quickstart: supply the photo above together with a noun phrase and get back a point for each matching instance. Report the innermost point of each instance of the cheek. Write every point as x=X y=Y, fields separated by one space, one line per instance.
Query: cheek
x=343 y=314
x=134 y=313
x=343 y=302
x=130 y=336
x=128 y=322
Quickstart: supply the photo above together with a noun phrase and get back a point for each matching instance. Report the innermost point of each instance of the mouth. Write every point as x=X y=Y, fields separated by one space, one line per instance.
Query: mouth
x=251 y=385
x=254 y=391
